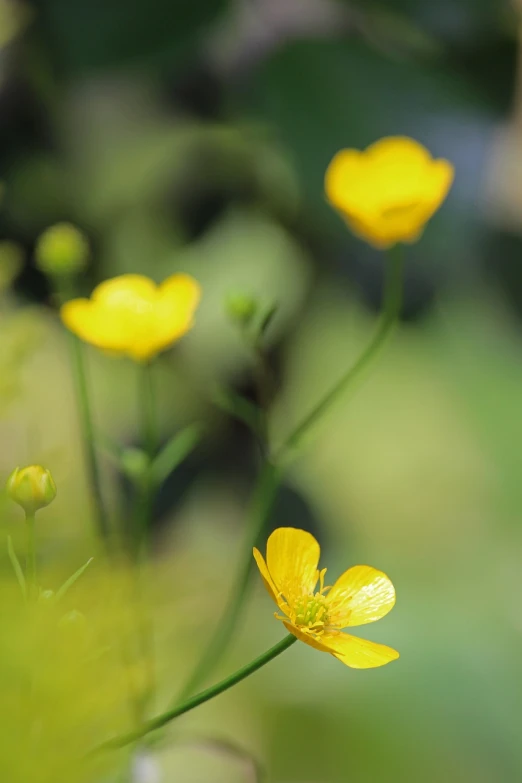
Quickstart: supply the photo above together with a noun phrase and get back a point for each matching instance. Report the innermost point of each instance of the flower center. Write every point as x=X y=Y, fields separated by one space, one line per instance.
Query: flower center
x=311 y=611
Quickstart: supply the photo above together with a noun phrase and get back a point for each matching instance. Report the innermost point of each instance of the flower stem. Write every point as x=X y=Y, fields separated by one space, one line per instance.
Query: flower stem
x=144 y=506
x=262 y=503
x=391 y=310
x=148 y=410
x=201 y=698
x=31 y=556
x=87 y=429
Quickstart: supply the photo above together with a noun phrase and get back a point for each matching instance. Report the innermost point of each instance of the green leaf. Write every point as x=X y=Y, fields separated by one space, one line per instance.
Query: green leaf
x=72 y=579
x=17 y=568
x=176 y=450
x=241 y=409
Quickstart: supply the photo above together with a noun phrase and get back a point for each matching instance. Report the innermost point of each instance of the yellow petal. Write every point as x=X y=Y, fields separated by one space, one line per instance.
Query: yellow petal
x=345 y=179
x=267 y=579
x=307 y=638
x=94 y=325
x=400 y=150
x=359 y=653
x=292 y=557
x=182 y=291
x=361 y=595
x=129 y=291
x=441 y=176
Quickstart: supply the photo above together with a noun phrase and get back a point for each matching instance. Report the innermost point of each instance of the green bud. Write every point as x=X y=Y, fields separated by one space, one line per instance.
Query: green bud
x=135 y=463
x=241 y=308
x=61 y=249
x=11 y=259
x=32 y=488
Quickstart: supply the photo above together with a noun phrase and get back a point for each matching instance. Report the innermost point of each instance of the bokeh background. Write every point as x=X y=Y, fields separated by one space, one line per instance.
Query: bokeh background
x=194 y=136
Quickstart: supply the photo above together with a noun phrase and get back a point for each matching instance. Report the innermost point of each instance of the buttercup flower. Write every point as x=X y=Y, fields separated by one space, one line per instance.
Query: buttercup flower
x=361 y=595
x=130 y=315
x=388 y=192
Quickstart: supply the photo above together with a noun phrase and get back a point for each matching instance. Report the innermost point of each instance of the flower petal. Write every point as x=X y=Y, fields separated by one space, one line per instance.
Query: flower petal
x=126 y=291
x=95 y=325
x=359 y=653
x=182 y=291
x=267 y=579
x=361 y=595
x=441 y=176
x=400 y=150
x=292 y=557
x=306 y=638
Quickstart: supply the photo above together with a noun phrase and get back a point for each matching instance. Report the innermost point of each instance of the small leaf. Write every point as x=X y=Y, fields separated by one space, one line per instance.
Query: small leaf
x=241 y=409
x=72 y=579
x=176 y=450
x=17 y=568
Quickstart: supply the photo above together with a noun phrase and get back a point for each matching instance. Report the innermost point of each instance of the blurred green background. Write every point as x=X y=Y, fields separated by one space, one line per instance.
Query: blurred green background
x=194 y=136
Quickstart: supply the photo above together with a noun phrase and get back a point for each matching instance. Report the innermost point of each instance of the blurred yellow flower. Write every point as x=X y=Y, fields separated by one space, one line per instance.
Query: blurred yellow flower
x=130 y=315
x=388 y=192
x=361 y=595
x=32 y=487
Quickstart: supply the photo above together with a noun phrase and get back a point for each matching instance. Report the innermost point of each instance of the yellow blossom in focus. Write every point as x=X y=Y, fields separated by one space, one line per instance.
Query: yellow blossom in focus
x=132 y=316
x=361 y=595
x=388 y=192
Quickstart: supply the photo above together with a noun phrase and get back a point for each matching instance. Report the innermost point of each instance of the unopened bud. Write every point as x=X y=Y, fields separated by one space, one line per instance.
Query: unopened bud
x=135 y=463
x=32 y=488
x=241 y=308
x=61 y=249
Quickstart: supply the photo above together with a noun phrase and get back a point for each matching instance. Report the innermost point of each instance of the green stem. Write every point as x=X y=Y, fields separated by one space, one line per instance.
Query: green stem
x=31 y=556
x=390 y=313
x=262 y=503
x=144 y=507
x=148 y=410
x=87 y=429
x=201 y=698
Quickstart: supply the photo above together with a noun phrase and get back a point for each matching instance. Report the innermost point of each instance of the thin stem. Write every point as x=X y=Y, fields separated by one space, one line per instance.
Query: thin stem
x=262 y=503
x=144 y=507
x=148 y=410
x=201 y=698
x=31 y=555
x=87 y=429
x=390 y=313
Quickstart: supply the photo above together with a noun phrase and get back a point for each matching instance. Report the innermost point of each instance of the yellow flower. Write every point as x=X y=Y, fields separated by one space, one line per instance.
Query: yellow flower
x=132 y=316
x=361 y=595
x=388 y=192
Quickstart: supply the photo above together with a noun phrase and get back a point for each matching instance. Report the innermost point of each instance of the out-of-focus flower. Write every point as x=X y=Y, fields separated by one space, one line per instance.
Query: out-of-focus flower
x=388 y=192
x=130 y=315
x=32 y=487
x=61 y=249
x=361 y=595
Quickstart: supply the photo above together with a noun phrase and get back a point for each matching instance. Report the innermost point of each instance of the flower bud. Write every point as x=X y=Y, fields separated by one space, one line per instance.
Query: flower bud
x=135 y=463
x=32 y=488
x=61 y=249
x=241 y=308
